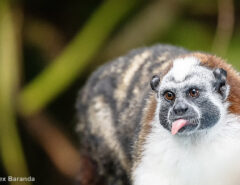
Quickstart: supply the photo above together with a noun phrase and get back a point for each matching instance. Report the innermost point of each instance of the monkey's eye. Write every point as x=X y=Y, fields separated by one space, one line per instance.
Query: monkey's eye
x=194 y=92
x=170 y=96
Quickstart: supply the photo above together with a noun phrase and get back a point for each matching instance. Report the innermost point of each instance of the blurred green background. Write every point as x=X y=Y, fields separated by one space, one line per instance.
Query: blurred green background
x=48 y=49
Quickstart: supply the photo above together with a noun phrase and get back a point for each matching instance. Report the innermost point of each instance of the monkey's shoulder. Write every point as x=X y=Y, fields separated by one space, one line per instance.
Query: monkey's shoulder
x=118 y=77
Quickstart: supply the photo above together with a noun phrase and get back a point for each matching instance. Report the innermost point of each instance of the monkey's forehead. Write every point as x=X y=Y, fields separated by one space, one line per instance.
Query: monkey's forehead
x=187 y=71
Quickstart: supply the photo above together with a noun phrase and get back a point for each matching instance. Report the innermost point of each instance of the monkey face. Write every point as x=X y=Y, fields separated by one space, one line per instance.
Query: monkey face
x=190 y=110
x=191 y=98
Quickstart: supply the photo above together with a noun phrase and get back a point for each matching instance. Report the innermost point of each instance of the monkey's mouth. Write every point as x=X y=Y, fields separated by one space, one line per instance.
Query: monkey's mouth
x=183 y=125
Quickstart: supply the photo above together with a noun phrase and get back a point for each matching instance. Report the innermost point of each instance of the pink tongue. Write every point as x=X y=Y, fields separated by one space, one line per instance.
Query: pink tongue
x=177 y=125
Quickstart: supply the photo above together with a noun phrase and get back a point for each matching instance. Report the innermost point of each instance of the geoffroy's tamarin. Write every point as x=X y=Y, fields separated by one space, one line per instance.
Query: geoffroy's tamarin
x=162 y=115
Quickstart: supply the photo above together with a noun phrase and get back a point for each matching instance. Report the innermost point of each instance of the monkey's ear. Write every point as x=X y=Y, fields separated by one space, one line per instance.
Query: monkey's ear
x=221 y=85
x=155 y=83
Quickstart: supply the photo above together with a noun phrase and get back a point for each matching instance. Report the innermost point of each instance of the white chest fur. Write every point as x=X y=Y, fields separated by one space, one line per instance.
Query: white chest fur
x=212 y=158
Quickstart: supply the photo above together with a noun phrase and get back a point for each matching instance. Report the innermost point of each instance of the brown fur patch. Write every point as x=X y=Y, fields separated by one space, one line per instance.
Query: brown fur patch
x=146 y=128
x=233 y=78
x=151 y=110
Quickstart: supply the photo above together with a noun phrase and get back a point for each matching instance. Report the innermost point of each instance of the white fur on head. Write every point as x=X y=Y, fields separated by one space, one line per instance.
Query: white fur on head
x=186 y=71
x=182 y=67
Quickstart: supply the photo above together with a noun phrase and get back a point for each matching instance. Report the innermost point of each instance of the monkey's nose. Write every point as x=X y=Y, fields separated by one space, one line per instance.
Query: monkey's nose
x=180 y=108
